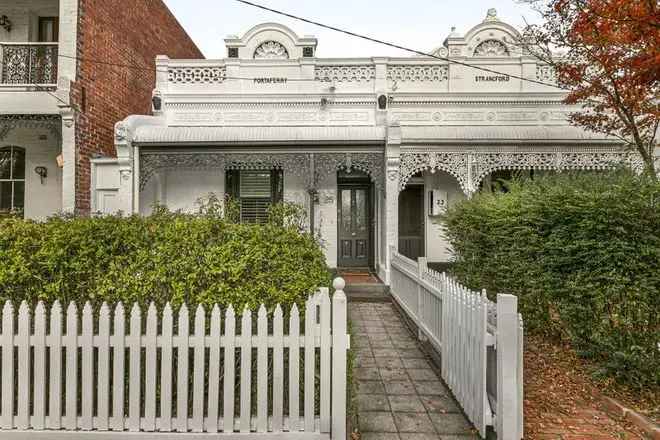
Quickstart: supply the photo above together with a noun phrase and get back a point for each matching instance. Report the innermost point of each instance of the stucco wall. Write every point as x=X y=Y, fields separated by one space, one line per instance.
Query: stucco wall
x=24 y=16
x=42 y=148
x=437 y=247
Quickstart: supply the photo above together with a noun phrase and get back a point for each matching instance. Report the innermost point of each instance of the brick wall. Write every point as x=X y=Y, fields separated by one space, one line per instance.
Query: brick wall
x=125 y=32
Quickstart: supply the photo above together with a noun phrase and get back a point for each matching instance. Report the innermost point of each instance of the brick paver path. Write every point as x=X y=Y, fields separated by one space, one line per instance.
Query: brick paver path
x=399 y=394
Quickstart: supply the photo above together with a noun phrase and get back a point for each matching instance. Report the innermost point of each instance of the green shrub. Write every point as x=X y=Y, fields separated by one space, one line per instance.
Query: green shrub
x=198 y=259
x=582 y=253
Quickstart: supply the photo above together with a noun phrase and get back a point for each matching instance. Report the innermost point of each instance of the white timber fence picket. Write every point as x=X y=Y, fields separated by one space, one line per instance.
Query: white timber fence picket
x=108 y=374
x=480 y=342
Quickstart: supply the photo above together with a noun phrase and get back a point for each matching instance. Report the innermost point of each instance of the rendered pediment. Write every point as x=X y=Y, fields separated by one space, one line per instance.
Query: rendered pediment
x=270 y=41
x=491 y=38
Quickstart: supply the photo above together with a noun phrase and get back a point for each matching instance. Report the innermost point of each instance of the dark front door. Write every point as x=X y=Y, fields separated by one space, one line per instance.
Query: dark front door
x=354 y=226
x=411 y=222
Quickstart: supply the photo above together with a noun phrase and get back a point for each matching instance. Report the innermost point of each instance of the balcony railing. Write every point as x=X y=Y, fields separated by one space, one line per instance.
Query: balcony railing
x=29 y=64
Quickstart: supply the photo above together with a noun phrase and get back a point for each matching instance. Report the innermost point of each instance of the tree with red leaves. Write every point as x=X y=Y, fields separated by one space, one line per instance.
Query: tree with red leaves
x=606 y=53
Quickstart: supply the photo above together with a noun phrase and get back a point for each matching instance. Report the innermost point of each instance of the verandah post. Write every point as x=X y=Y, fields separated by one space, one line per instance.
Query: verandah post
x=507 y=367
x=339 y=347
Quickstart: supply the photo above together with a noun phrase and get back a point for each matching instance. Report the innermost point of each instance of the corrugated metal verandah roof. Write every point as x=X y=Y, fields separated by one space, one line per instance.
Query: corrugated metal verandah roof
x=159 y=135
x=260 y=135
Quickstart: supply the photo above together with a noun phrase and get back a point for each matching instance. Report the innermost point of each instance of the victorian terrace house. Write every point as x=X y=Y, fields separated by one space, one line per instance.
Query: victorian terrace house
x=374 y=148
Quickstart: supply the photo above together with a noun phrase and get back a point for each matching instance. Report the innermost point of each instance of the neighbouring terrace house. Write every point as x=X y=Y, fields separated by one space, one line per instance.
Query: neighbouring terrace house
x=374 y=148
x=63 y=85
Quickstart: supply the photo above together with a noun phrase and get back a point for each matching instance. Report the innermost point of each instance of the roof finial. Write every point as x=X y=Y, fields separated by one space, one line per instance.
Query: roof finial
x=491 y=15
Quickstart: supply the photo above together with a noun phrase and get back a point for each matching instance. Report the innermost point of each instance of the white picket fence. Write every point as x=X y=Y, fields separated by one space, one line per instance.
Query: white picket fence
x=103 y=382
x=480 y=342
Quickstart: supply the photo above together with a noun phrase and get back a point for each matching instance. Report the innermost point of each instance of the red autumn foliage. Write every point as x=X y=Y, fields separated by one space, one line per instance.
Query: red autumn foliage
x=606 y=53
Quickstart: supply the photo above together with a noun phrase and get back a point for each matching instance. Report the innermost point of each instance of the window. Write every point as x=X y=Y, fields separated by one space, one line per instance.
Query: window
x=48 y=29
x=255 y=191
x=12 y=179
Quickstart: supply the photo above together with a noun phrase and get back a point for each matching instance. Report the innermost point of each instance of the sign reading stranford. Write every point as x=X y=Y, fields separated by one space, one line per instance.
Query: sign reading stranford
x=492 y=78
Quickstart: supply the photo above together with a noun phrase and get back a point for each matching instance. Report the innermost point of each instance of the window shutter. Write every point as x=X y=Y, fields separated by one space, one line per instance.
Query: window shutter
x=255 y=191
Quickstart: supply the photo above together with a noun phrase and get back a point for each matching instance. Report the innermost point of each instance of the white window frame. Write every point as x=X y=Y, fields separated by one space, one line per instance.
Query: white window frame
x=12 y=149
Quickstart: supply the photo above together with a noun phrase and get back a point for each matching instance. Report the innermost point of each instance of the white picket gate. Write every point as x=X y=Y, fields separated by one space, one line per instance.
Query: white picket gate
x=480 y=342
x=106 y=381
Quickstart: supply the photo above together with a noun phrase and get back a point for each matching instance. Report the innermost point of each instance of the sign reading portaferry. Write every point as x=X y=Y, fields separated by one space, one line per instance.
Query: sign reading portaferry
x=492 y=78
x=270 y=80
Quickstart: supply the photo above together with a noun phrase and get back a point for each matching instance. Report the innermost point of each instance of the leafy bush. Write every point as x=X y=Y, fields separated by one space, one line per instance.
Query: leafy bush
x=204 y=259
x=582 y=253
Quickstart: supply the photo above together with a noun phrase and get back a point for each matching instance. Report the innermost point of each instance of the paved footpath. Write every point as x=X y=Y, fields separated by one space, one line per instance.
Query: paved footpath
x=399 y=395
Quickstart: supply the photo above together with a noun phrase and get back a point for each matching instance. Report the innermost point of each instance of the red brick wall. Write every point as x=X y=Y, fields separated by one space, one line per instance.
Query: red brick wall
x=124 y=32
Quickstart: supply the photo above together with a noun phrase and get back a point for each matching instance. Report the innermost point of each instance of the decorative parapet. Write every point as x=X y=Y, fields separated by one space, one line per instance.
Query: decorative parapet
x=417 y=73
x=345 y=73
x=196 y=75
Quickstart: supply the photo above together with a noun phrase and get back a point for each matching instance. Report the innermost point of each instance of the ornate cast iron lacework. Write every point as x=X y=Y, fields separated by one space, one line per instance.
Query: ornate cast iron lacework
x=291 y=163
x=372 y=164
x=271 y=50
x=470 y=168
x=29 y=64
x=455 y=164
x=491 y=48
x=487 y=163
x=196 y=75
x=418 y=73
x=338 y=74
x=53 y=123
x=150 y=164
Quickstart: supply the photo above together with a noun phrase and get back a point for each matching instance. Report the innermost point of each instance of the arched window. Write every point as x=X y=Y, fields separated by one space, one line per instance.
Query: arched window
x=12 y=179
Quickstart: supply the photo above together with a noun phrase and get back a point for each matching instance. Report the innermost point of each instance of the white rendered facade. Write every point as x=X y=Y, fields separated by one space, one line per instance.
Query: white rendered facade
x=35 y=115
x=437 y=125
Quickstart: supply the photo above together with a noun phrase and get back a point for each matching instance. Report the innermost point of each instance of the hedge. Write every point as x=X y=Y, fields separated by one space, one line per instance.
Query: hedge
x=203 y=259
x=582 y=253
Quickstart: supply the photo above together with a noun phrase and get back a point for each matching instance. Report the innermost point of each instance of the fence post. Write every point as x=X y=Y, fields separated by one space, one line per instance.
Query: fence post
x=421 y=268
x=339 y=347
x=507 y=367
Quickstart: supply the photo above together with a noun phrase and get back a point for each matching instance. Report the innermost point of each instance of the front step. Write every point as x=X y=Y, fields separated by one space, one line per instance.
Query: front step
x=367 y=292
